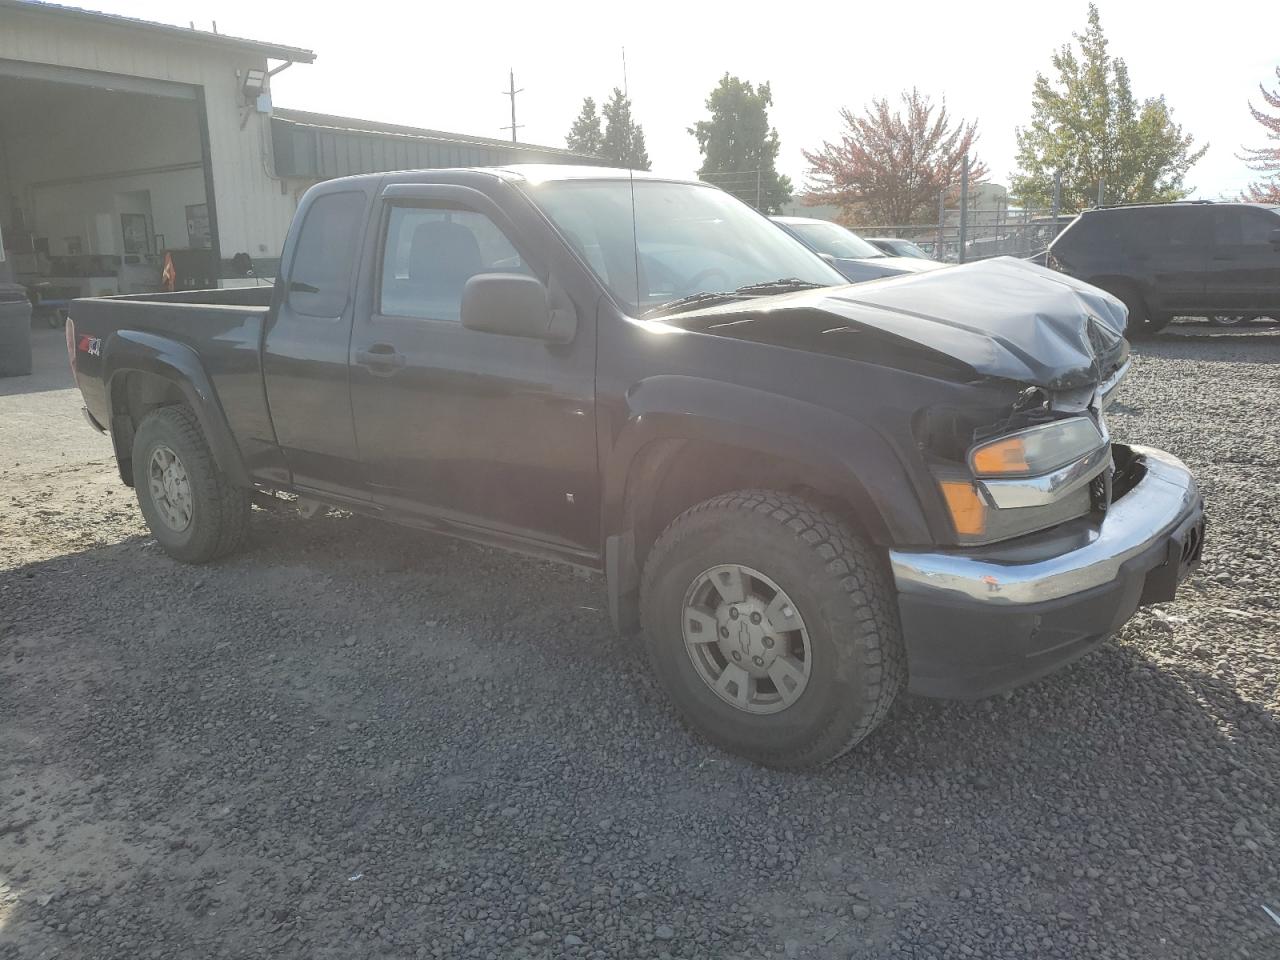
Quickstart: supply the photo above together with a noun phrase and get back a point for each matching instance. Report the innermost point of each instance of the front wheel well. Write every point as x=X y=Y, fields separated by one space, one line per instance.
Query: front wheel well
x=134 y=394
x=670 y=476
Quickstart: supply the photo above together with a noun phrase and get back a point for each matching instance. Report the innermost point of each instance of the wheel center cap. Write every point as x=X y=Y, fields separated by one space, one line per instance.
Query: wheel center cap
x=745 y=638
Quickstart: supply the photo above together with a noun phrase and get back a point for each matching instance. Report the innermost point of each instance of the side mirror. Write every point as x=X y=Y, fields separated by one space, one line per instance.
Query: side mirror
x=515 y=305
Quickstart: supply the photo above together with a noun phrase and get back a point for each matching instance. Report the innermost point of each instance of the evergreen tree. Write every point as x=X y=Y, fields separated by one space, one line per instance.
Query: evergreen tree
x=623 y=142
x=585 y=136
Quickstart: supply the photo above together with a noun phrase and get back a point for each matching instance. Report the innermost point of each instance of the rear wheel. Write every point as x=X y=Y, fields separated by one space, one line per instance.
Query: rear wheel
x=772 y=627
x=1228 y=321
x=191 y=508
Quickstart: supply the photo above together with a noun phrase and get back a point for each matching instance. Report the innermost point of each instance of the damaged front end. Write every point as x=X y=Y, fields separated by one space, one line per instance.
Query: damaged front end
x=1045 y=461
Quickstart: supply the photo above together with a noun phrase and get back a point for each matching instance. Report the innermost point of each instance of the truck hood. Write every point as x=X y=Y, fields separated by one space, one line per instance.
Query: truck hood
x=1001 y=318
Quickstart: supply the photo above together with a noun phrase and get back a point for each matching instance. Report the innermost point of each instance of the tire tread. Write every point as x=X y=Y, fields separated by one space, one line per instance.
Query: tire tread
x=853 y=567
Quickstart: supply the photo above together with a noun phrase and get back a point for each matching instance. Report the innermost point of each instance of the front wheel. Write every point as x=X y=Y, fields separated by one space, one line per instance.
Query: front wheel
x=772 y=627
x=191 y=508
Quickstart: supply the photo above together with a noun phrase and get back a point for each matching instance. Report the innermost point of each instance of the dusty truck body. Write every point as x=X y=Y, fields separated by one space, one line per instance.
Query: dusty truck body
x=806 y=495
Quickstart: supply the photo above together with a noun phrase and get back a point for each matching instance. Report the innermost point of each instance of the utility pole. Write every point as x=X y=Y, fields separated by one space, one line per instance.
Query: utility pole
x=964 y=206
x=511 y=92
x=757 y=186
x=1102 y=184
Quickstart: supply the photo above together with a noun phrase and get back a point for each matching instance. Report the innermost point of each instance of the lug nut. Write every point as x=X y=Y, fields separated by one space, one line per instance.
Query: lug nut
x=733 y=613
x=758 y=661
x=724 y=632
x=755 y=618
x=768 y=643
x=737 y=655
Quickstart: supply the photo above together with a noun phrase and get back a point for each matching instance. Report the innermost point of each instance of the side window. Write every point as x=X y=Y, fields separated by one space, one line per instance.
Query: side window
x=320 y=275
x=1257 y=226
x=431 y=252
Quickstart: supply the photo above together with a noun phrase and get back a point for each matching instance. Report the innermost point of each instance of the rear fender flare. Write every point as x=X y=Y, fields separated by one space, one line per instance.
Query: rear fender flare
x=128 y=351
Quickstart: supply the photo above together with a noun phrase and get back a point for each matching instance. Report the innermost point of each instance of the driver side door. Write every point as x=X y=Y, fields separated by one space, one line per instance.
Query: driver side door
x=485 y=433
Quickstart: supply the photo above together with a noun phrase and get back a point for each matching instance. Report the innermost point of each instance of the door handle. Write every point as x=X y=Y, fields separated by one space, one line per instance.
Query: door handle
x=382 y=359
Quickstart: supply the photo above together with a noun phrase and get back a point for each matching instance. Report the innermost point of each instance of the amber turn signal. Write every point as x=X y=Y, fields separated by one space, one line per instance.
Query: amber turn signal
x=968 y=512
x=1004 y=456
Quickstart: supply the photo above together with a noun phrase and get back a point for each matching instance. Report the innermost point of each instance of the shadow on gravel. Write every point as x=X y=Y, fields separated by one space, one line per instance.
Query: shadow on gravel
x=354 y=739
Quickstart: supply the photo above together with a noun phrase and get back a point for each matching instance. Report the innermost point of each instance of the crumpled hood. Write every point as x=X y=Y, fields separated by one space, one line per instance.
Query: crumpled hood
x=1001 y=318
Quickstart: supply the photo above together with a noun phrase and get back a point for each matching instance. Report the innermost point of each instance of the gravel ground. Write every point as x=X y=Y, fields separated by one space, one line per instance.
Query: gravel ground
x=355 y=741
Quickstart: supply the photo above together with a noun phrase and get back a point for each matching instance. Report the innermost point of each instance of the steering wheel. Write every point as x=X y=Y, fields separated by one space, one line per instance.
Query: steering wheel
x=695 y=282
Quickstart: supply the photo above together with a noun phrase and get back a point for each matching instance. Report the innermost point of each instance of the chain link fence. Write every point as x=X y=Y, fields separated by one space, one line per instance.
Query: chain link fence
x=985 y=233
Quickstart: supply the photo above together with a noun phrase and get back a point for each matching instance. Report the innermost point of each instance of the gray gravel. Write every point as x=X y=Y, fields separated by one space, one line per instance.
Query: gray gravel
x=355 y=741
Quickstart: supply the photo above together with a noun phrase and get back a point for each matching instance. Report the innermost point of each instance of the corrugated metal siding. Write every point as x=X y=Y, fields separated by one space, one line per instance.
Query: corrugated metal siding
x=322 y=153
x=252 y=210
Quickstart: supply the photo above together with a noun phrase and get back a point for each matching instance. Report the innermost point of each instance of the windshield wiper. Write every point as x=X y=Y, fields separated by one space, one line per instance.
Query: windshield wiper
x=671 y=306
x=723 y=296
x=779 y=286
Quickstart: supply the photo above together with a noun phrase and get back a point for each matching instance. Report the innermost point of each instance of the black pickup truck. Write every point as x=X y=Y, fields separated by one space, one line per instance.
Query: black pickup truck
x=806 y=495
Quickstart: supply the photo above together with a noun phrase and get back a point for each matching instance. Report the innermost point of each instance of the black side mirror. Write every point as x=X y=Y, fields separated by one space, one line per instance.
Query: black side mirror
x=516 y=305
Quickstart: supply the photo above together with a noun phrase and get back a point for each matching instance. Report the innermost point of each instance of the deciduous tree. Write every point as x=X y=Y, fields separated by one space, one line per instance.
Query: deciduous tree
x=739 y=148
x=1266 y=160
x=1087 y=125
x=889 y=166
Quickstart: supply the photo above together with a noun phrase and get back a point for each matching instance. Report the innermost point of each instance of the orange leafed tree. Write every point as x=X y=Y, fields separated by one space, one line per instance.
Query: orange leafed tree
x=889 y=166
x=1266 y=159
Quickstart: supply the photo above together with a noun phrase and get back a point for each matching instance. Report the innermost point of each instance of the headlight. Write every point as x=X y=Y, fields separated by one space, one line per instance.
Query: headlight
x=1036 y=450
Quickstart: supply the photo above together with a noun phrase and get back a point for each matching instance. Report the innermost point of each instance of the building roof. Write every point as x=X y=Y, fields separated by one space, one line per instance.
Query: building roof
x=273 y=51
x=327 y=121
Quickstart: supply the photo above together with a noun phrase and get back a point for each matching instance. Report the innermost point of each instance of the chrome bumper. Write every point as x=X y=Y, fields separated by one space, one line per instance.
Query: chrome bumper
x=1156 y=507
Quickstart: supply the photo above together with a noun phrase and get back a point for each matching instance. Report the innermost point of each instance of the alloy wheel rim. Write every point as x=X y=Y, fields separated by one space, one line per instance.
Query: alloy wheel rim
x=170 y=488
x=746 y=639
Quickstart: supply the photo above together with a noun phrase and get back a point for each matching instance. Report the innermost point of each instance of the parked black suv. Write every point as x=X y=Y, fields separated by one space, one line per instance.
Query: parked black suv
x=1216 y=260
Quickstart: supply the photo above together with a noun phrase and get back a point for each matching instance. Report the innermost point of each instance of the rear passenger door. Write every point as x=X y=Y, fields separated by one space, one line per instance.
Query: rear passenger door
x=1245 y=273
x=1173 y=249
x=482 y=432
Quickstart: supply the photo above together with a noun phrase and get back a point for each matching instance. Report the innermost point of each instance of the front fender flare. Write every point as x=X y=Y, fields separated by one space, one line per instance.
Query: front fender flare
x=128 y=351
x=689 y=408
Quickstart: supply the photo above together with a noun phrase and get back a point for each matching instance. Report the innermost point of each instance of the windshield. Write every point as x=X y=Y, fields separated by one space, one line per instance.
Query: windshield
x=687 y=239
x=835 y=241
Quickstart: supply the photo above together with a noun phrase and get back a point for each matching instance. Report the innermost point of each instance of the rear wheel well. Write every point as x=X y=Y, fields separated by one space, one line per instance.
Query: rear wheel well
x=134 y=395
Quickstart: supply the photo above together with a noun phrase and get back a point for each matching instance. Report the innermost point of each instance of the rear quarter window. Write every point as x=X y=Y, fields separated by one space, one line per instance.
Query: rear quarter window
x=324 y=259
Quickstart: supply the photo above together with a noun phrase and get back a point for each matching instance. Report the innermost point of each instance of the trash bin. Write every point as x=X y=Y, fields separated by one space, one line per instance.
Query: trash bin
x=15 y=331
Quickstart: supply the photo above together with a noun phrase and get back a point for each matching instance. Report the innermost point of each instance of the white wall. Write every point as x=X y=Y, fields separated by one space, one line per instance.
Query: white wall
x=253 y=210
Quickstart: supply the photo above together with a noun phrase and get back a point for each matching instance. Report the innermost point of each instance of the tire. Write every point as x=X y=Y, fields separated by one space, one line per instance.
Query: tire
x=1141 y=322
x=1234 y=320
x=217 y=513
x=841 y=597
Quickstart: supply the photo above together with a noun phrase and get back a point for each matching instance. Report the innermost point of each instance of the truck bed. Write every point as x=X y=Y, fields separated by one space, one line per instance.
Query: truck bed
x=213 y=335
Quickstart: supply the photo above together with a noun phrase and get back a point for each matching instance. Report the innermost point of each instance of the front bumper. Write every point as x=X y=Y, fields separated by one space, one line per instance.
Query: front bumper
x=980 y=620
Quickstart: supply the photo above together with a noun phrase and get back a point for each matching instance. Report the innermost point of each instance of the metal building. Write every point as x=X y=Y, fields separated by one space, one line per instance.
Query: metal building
x=122 y=140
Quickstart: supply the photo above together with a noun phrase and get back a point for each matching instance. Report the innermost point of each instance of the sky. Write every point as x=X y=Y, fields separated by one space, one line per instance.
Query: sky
x=444 y=65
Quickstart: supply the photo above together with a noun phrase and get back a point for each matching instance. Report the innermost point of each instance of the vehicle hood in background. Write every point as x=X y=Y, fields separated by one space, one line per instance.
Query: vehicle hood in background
x=873 y=268
x=1000 y=318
